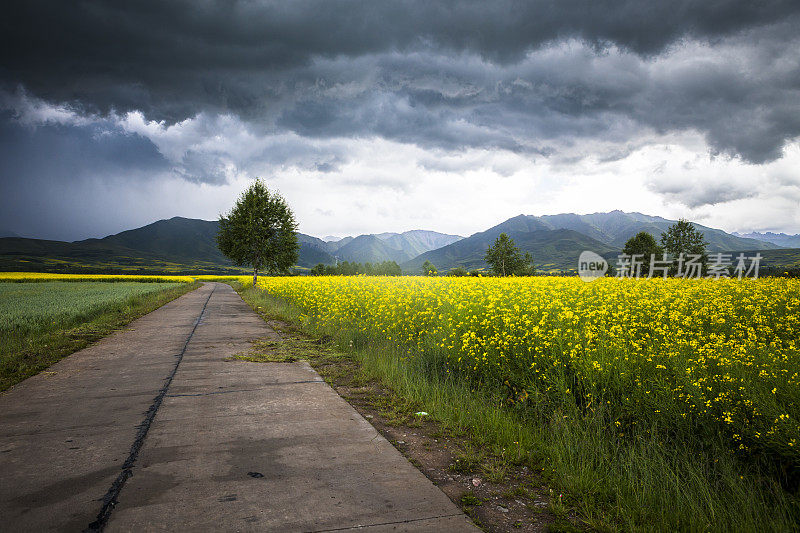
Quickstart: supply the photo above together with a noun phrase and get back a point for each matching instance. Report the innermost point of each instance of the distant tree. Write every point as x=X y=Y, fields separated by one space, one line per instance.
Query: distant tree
x=645 y=245
x=346 y=268
x=526 y=268
x=428 y=269
x=388 y=268
x=506 y=260
x=259 y=231
x=683 y=238
x=457 y=271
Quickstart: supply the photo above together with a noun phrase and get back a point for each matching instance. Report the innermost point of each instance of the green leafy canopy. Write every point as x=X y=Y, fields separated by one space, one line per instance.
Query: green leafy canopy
x=506 y=259
x=259 y=231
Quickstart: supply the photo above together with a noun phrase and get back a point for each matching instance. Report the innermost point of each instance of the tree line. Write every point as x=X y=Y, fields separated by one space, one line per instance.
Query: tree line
x=260 y=232
x=346 y=268
x=680 y=239
x=503 y=257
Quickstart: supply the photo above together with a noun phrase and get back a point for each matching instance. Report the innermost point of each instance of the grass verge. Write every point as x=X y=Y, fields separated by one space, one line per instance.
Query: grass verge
x=462 y=439
x=635 y=483
x=26 y=351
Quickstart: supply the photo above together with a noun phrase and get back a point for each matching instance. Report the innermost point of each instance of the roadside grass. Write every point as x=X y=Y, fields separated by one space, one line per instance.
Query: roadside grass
x=399 y=418
x=40 y=323
x=288 y=350
x=633 y=482
x=489 y=446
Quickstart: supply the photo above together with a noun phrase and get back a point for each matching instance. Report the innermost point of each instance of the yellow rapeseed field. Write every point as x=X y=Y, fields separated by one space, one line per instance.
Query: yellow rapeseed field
x=689 y=357
x=41 y=276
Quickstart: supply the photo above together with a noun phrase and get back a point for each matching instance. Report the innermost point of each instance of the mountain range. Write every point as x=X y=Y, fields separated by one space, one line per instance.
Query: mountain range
x=556 y=241
x=398 y=247
x=188 y=245
x=780 y=239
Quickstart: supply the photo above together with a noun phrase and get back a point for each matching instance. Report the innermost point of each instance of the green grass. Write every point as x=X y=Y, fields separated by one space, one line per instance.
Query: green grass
x=638 y=482
x=42 y=322
x=115 y=265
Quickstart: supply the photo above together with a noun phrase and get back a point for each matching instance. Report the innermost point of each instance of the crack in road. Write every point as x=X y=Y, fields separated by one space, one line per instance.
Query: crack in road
x=267 y=386
x=110 y=498
x=365 y=526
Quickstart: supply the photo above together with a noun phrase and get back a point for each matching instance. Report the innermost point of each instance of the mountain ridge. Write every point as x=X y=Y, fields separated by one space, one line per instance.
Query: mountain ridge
x=377 y=247
x=182 y=243
x=606 y=234
x=780 y=239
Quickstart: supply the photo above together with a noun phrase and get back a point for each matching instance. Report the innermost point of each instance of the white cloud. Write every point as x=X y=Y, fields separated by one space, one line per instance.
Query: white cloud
x=342 y=185
x=31 y=111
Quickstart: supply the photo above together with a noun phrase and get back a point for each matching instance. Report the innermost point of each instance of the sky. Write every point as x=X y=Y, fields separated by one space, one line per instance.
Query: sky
x=372 y=116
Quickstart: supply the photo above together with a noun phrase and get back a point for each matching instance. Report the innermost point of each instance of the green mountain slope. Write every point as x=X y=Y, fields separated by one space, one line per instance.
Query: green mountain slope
x=184 y=245
x=314 y=251
x=37 y=255
x=415 y=242
x=369 y=248
x=776 y=260
x=551 y=249
x=177 y=244
x=779 y=239
x=178 y=238
x=555 y=241
x=616 y=227
x=379 y=247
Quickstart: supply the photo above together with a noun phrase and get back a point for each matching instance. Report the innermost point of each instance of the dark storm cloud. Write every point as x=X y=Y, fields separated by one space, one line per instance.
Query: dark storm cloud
x=49 y=173
x=442 y=74
x=66 y=151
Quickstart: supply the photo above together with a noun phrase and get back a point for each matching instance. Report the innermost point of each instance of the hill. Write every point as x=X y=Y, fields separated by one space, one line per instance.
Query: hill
x=96 y=256
x=776 y=261
x=189 y=245
x=552 y=249
x=555 y=241
x=369 y=248
x=374 y=248
x=616 y=227
x=178 y=238
x=174 y=245
x=779 y=239
x=191 y=240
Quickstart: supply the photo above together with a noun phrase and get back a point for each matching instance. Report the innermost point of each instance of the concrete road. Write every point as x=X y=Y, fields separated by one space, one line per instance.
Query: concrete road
x=155 y=428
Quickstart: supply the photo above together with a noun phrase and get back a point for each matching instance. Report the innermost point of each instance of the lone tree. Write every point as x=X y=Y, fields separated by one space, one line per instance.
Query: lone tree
x=505 y=258
x=645 y=245
x=683 y=238
x=259 y=231
x=428 y=269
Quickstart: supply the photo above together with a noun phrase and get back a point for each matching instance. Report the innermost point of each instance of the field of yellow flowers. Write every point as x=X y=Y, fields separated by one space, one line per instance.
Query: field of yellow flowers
x=31 y=277
x=697 y=358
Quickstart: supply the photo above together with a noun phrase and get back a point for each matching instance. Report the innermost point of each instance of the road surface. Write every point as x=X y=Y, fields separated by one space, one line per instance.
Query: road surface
x=157 y=428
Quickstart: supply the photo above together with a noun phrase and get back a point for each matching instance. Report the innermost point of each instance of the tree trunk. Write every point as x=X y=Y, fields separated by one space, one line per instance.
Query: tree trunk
x=255 y=277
